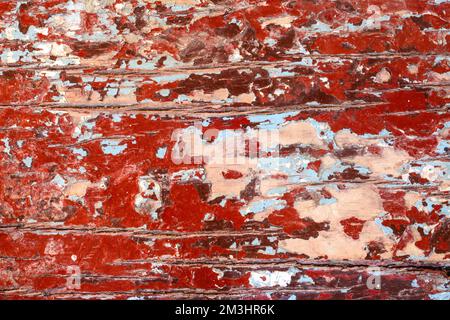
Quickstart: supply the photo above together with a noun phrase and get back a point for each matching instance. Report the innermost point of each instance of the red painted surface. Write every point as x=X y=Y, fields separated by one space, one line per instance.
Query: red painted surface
x=96 y=97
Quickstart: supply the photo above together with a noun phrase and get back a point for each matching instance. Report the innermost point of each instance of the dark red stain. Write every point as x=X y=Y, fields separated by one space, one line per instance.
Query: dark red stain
x=353 y=227
x=232 y=174
x=27 y=18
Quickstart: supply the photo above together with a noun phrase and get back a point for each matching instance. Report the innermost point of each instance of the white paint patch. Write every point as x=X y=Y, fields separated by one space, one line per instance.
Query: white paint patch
x=261 y=279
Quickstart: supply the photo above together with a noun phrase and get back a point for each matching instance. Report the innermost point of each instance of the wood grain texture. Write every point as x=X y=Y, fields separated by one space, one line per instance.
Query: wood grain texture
x=96 y=97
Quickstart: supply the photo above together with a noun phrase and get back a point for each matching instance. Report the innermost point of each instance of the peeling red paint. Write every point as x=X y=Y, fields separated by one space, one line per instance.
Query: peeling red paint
x=97 y=97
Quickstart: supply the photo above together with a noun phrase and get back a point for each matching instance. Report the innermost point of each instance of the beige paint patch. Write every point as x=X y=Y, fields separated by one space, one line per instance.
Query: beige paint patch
x=347 y=205
x=279 y=21
x=411 y=249
x=444 y=186
x=390 y=161
x=334 y=243
x=77 y=189
x=94 y=6
x=230 y=188
x=411 y=199
x=300 y=132
x=337 y=246
x=346 y=138
x=245 y=98
x=219 y=94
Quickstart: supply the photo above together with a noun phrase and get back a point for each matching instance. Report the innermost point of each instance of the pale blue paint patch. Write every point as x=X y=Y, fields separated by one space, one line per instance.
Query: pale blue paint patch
x=277 y=191
x=171 y=78
x=183 y=98
x=338 y=167
x=327 y=201
x=426 y=204
x=366 y=24
x=281 y=250
x=279 y=72
x=268 y=250
x=139 y=64
x=171 y=62
x=362 y=170
x=262 y=205
x=116 y=117
x=7 y=146
x=9 y=56
x=307 y=175
x=306 y=62
x=386 y=230
x=80 y=151
x=180 y=7
x=279 y=92
x=417 y=258
x=59 y=181
x=112 y=92
x=87 y=134
x=443 y=147
x=270 y=42
x=429 y=204
x=112 y=147
x=223 y=203
x=30 y=35
x=28 y=161
x=127 y=90
x=161 y=152
x=323 y=130
x=164 y=92
x=440 y=296
x=319 y=26
x=295 y=167
x=189 y=175
x=305 y=280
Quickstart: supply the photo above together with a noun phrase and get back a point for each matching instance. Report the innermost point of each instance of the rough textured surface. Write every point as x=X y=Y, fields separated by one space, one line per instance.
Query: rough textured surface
x=97 y=95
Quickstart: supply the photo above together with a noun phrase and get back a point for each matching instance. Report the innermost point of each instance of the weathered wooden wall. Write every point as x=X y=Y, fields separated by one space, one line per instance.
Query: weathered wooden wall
x=93 y=92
